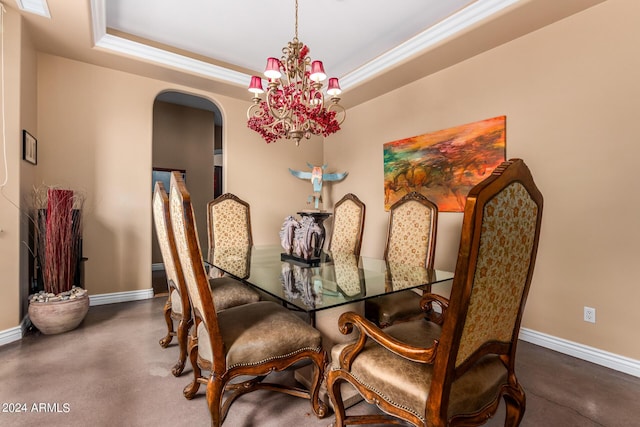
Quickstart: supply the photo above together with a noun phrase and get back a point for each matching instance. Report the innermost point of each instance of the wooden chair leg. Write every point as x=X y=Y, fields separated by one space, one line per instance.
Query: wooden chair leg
x=183 y=334
x=164 y=342
x=192 y=388
x=333 y=388
x=515 y=404
x=215 y=389
x=319 y=407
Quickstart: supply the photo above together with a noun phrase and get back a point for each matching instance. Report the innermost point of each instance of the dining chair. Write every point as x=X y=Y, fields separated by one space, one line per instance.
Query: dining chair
x=455 y=373
x=348 y=225
x=249 y=340
x=411 y=241
x=177 y=305
x=229 y=292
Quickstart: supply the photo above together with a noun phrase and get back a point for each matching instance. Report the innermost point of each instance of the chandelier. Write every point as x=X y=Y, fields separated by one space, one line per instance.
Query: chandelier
x=294 y=105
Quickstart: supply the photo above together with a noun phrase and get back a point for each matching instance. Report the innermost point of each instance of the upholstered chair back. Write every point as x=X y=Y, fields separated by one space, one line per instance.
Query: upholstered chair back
x=504 y=259
x=164 y=233
x=498 y=247
x=190 y=254
x=229 y=222
x=411 y=238
x=348 y=225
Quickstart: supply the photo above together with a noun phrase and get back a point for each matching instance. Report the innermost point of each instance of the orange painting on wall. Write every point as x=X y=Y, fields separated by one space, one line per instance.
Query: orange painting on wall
x=444 y=165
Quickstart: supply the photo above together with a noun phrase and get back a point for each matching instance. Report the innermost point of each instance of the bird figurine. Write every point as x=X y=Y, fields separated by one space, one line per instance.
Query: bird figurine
x=317 y=177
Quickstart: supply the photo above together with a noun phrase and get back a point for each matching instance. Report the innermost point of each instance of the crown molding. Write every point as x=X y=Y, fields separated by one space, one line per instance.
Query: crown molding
x=148 y=53
x=450 y=26
x=37 y=7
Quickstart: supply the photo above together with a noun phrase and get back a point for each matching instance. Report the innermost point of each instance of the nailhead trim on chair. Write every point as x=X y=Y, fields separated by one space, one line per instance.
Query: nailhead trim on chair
x=284 y=356
x=386 y=398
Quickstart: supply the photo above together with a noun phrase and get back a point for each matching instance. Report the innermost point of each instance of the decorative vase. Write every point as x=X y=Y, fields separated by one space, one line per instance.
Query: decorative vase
x=55 y=317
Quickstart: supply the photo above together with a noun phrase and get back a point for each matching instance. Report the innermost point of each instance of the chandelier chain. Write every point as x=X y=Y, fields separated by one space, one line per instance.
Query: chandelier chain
x=296 y=20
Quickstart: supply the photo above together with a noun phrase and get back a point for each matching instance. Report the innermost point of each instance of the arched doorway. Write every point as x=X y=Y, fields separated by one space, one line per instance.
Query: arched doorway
x=187 y=136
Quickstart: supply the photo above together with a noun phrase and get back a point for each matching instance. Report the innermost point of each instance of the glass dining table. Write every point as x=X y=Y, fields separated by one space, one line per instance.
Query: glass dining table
x=337 y=279
x=336 y=283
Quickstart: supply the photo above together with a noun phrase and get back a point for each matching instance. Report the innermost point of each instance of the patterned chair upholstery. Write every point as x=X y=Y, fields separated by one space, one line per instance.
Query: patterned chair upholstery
x=229 y=292
x=348 y=225
x=411 y=241
x=228 y=222
x=248 y=340
x=455 y=373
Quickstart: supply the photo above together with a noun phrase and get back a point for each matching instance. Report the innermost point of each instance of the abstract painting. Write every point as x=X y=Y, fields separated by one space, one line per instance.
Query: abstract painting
x=444 y=165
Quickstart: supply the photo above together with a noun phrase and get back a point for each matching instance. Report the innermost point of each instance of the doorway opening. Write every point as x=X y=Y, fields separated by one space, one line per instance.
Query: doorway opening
x=187 y=136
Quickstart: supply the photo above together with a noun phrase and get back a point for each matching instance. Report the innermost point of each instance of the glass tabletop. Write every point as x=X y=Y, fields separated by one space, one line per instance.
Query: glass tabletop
x=337 y=279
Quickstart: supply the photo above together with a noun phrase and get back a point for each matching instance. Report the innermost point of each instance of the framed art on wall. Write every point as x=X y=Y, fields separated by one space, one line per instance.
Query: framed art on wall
x=29 y=148
x=444 y=165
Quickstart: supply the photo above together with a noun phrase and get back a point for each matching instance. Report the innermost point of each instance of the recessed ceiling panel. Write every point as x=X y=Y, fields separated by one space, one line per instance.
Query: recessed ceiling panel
x=344 y=34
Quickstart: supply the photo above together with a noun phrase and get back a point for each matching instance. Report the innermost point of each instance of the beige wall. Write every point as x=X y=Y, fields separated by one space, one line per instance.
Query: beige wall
x=570 y=93
x=95 y=125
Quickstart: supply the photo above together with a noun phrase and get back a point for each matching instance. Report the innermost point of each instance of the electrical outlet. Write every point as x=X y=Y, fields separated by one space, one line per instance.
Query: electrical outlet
x=590 y=314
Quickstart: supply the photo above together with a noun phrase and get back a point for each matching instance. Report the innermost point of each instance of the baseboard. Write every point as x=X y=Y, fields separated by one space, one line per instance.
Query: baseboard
x=10 y=335
x=583 y=352
x=157 y=266
x=117 y=297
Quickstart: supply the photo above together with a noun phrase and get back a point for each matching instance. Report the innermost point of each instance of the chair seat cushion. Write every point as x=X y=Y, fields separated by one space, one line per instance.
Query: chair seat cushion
x=259 y=332
x=388 y=309
x=227 y=292
x=405 y=384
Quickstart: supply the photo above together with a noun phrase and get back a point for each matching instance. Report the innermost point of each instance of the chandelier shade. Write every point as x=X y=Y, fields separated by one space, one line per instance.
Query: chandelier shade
x=317 y=72
x=272 y=71
x=294 y=104
x=333 y=88
x=256 y=85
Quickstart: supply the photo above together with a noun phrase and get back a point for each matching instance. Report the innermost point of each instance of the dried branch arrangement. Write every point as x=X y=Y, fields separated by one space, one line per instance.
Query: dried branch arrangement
x=58 y=231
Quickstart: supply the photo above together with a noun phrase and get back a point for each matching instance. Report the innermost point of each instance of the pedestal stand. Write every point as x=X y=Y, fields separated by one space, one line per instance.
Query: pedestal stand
x=318 y=217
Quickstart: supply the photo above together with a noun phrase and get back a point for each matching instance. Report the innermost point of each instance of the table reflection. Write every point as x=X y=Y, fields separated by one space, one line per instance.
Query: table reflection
x=339 y=277
x=402 y=276
x=234 y=260
x=298 y=283
x=348 y=277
